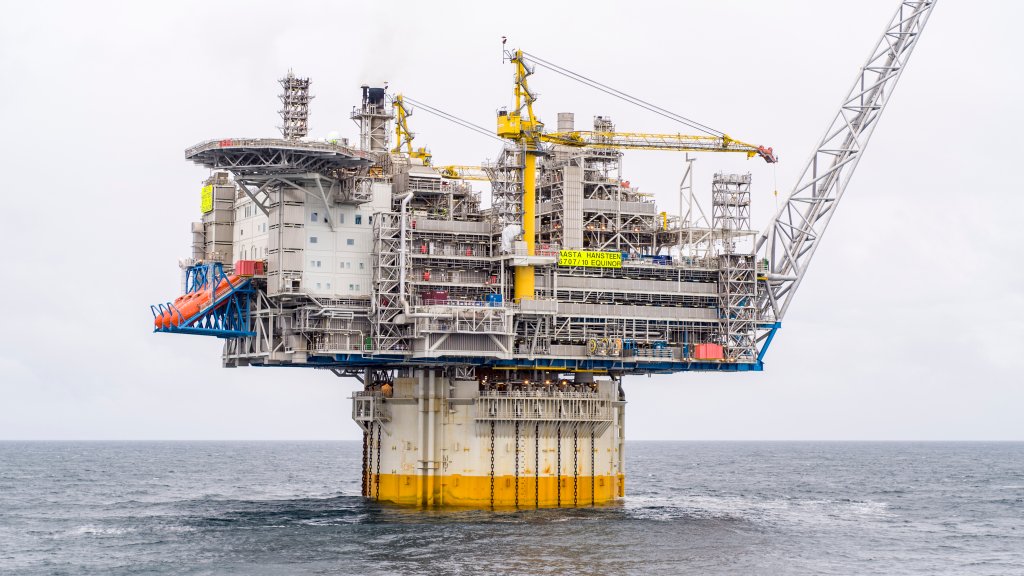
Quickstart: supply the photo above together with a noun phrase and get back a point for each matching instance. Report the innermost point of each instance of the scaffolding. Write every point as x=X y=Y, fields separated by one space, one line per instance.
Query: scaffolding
x=737 y=284
x=295 y=106
x=506 y=174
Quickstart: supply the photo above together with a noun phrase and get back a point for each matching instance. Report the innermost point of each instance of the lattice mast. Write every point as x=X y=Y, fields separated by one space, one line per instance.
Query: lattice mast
x=737 y=282
x=295 y=106
x=789 y=241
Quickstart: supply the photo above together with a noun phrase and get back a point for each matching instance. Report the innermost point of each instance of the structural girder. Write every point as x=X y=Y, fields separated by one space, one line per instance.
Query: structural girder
x=789 y=241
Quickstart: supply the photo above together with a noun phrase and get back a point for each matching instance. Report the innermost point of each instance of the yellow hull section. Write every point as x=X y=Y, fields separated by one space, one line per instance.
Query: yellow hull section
x=456 y=490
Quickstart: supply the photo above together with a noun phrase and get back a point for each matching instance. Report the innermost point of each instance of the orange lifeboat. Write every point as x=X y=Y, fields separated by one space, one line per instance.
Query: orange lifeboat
x=189 y=305
x=164 y=321
x=179 y=305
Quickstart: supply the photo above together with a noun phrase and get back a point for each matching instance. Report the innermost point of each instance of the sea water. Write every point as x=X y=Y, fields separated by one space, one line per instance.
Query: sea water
x=691 y=508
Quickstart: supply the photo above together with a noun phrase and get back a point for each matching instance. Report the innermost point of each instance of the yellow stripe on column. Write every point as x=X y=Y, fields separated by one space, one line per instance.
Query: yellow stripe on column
x=457 y=491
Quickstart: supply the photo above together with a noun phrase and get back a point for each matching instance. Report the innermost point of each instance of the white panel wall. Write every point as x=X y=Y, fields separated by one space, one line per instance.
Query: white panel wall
x=250 y=234
x=338 y=263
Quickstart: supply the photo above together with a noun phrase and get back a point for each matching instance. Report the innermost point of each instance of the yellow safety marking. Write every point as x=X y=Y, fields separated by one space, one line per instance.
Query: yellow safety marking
x=456 y=490
x=206 y=199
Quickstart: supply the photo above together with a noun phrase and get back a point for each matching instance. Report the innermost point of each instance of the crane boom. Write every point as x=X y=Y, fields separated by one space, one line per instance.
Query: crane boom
x=403 y=136
x=463 y=172
x=789 y=241
x=646 y=141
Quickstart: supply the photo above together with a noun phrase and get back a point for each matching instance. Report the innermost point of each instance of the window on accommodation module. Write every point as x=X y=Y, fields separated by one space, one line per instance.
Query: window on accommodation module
x=314 y=217
x=341 y=218
x=350 y=242
x=351 y=286
x=359 y=218
x=348 y=264
x=312 y=239
x=362 y=265
x=317 y=285
x=328 y=285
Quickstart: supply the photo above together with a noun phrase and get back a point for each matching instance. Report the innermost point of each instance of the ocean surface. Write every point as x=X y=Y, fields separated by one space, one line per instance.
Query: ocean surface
x=692 y=508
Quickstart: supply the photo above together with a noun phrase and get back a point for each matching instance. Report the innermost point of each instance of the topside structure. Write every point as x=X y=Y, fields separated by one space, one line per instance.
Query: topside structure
x=492 y=336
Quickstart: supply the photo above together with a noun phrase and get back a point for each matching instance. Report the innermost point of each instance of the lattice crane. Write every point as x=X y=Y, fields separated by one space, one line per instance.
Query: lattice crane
x=789 y=241
x=646 y=141
x=403 y=136
x=463 y=172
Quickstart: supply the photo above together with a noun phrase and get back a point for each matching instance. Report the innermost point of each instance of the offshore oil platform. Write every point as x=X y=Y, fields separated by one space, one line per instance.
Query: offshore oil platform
x=492 y=339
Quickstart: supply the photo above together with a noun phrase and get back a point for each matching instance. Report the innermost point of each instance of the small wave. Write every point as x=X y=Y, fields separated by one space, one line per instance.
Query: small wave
x=93 y=530
x=752 y=509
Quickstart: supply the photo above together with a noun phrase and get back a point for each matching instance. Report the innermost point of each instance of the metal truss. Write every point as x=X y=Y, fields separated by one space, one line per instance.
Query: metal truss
x=295 y=106
x=792 y=237
x=255 y=156
x=263 y=341
x=385 y=308
x=226 y=316
x=506 y=176
x=730 y=202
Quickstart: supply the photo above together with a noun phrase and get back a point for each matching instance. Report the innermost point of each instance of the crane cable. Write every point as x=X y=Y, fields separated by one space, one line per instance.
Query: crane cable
x=775 y=185
x=583 y=80
x=622 y=95
x=453 y=118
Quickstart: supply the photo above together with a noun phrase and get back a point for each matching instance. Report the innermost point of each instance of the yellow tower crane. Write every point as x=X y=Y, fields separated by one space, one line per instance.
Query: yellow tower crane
x=402 y=134
x=647 y=141
x=463 y=172
x=522 y=126
x=404 y=137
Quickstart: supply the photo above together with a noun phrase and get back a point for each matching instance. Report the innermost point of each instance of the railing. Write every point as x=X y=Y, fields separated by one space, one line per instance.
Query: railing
x=551 y=391
x=544 y=409
x=325 y=346
x=490 y=326
x=433 y=302
x=274 y=142
x=368 y=407
x=539 y=250
x=653 y=353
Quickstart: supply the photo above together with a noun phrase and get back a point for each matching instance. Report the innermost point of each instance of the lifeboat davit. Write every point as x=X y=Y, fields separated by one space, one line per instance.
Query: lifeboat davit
x=187 y=306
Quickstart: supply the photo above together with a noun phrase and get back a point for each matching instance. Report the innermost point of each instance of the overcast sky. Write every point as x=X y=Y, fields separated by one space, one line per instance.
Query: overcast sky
x=910 y=324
